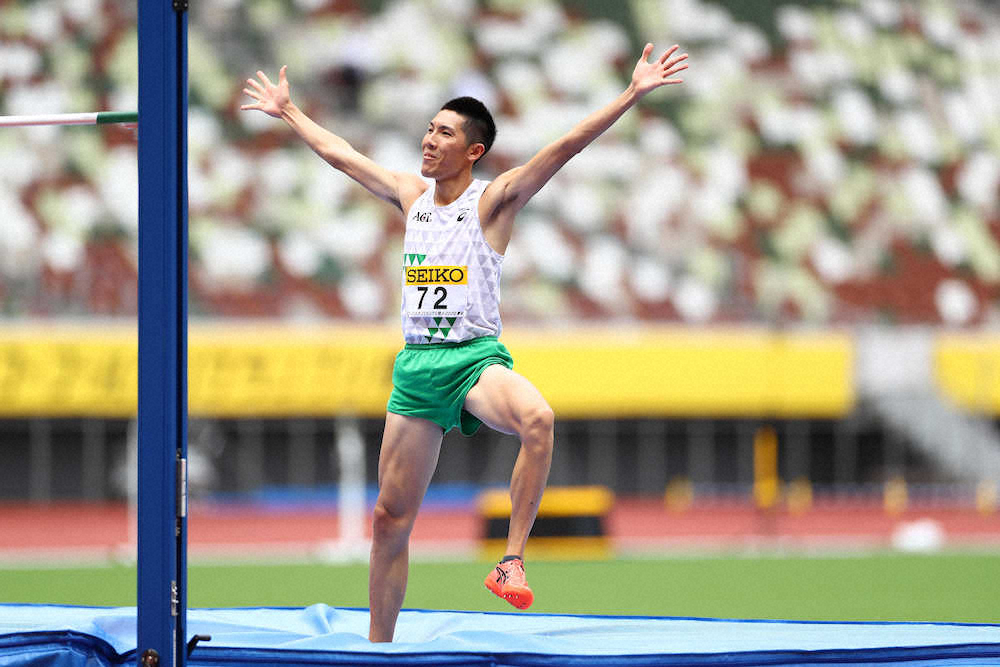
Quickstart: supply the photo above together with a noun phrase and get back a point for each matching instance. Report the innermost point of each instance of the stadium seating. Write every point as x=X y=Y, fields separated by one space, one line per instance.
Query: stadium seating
x=827 y=164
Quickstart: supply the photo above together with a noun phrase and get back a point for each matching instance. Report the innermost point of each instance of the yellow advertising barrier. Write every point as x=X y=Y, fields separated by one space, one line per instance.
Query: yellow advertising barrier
x=67 y=371
x=967 y=370
x=651 y=372
x=274 y=371
x=233 y=371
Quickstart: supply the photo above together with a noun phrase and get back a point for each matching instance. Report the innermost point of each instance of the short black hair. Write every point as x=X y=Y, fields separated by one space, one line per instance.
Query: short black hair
x=479 y=127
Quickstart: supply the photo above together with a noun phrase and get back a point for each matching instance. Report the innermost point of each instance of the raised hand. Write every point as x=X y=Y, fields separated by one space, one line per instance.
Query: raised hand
x=271 y=99
x=648 y=76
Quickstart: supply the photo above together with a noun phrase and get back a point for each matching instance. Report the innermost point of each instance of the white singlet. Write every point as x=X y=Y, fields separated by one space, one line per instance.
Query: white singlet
x=451 y=275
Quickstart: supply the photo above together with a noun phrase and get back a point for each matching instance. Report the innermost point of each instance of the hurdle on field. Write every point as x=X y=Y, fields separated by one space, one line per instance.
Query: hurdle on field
x=87 y=118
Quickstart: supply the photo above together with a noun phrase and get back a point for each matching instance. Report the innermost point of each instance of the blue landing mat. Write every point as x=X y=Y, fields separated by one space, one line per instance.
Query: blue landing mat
x=60 y=636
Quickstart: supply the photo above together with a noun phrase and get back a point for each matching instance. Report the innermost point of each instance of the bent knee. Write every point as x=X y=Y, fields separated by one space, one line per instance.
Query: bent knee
x=538 y=423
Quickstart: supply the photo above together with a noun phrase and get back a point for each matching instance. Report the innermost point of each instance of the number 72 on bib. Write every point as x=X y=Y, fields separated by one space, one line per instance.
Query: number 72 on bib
x=436 y=291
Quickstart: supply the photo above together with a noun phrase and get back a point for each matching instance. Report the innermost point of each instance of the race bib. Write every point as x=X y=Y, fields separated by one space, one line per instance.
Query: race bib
x=436 y=291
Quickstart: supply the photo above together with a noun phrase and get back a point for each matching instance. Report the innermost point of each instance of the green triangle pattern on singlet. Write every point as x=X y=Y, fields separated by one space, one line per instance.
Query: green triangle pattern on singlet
x=414 y=258
x=431 y=331
x=451 y=320
x=445 y=331
x=437 y=321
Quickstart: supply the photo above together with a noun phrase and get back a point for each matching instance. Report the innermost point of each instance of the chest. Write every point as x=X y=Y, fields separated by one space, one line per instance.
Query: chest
x=435 y=230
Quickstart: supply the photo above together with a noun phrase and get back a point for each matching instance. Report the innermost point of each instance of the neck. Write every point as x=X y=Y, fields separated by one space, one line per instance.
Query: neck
x=449 y=189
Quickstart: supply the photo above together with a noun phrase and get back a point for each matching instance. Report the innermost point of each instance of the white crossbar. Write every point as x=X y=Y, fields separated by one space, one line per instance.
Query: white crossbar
x=89 y=118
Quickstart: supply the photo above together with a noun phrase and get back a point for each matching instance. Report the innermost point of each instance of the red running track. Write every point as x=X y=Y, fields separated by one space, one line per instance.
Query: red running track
x=633 y=524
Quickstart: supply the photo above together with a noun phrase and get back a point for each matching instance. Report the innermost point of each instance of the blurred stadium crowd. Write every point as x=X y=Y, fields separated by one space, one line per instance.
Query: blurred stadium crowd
x=825 y=163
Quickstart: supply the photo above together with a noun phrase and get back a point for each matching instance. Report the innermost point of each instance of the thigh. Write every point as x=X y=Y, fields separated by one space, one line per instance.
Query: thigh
x=407 y=459
x=502 y=399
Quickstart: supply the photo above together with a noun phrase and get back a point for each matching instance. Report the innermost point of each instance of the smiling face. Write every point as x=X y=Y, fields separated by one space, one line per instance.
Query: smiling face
x=445 y=148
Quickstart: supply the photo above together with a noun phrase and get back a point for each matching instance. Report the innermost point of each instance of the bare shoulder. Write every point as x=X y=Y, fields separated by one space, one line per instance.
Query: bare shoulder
x=409 y=187
x=496 y=194
x=497 y=209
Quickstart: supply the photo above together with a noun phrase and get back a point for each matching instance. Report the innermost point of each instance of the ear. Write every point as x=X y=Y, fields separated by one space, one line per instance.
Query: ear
x=475 y=151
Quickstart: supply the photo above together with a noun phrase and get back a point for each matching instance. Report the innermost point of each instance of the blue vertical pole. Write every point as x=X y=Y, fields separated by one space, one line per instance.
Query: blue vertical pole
x=162 y=603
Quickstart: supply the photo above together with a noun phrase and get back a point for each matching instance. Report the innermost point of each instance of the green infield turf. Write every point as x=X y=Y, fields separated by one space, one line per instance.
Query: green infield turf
x=943 y=587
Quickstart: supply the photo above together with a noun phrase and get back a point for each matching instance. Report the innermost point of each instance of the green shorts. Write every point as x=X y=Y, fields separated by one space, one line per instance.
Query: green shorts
x=430 y=381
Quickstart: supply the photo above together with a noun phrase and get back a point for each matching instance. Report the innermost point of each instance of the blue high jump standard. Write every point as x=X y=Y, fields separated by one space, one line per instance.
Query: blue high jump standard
x=60 y=636
x=162 y=536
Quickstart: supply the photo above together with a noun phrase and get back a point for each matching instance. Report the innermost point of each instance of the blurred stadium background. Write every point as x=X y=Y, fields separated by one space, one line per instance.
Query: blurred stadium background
x=764 y=305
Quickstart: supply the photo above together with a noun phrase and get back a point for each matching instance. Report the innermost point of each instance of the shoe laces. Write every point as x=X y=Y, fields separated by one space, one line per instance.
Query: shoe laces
x=511 y=572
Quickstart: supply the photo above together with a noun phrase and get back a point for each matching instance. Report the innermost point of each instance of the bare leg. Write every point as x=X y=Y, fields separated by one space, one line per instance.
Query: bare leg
x=507 y=402
x=409 y=454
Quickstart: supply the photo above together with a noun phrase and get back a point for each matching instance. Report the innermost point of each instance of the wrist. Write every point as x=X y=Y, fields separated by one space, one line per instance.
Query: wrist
x=288 y=111
x=632 y=94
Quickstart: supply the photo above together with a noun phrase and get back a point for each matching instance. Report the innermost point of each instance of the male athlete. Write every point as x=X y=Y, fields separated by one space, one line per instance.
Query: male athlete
x=453 y=371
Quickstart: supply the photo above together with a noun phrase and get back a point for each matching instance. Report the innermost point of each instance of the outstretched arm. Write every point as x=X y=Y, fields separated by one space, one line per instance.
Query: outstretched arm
x=274 y=100
x=512 y=189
